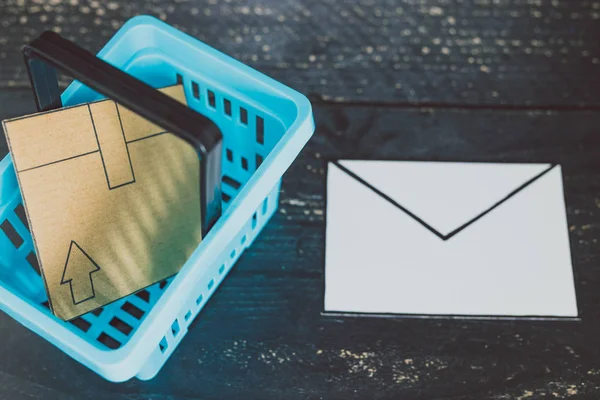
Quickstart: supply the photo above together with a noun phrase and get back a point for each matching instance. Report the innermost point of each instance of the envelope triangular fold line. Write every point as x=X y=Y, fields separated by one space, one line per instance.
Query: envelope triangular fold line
x=445 y=195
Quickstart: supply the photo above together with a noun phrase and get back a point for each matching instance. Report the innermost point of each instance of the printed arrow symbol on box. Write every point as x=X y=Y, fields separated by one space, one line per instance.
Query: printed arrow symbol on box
x=78 y=271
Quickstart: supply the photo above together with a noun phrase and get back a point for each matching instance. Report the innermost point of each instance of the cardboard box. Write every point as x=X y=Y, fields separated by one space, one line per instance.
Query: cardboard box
x=112 y=200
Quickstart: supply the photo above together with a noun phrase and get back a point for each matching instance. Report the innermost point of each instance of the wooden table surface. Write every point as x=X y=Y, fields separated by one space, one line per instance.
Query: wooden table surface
x=469 y=80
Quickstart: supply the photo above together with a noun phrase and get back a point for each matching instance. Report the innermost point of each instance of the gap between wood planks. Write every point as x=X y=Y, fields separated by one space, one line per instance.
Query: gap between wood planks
x=317 y=101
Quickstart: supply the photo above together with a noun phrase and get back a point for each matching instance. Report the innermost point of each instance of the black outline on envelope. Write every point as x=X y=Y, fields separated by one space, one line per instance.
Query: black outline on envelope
x=425 y=224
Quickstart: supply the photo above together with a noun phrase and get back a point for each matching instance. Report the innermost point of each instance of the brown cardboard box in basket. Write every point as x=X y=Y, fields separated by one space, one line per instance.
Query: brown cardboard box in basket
x=112 y=200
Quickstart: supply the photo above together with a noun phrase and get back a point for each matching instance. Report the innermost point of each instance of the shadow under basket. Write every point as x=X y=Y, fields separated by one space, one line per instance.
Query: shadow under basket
x=265 y=125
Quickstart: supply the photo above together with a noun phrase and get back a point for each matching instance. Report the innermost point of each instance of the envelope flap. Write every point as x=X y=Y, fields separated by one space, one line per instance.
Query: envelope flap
x=445 y=195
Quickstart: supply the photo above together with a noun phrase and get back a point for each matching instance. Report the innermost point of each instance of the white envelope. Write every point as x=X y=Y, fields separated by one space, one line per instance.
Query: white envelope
x=444 y=238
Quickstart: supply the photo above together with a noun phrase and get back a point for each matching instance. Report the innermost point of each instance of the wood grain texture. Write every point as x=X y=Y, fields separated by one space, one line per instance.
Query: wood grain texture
x=263 y=336
x=511 y=52
x=479 y=62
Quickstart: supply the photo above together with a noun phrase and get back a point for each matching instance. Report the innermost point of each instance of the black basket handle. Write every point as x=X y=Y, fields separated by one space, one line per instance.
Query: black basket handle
x=50 y=51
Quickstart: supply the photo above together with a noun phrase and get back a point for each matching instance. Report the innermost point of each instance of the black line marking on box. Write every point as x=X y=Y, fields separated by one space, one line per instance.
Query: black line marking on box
x=88 y=153
x=67 y=278
x=147 y=137
x=59 y=161
x=126 y=147
x=102 y=156
x=99 y=148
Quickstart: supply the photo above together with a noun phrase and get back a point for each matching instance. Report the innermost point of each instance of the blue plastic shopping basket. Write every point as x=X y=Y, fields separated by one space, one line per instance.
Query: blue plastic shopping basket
x=265 y=125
